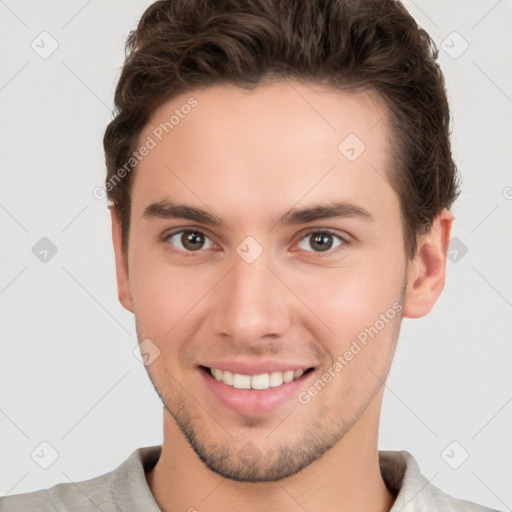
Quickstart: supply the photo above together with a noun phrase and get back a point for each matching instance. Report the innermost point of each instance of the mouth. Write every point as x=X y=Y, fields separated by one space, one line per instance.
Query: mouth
x=251 y=391
x=260 y=381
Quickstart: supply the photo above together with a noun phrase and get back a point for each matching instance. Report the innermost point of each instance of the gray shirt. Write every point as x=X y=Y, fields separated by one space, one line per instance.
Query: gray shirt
x=125 y=489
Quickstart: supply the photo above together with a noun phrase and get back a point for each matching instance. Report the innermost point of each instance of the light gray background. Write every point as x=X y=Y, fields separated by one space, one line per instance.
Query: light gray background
x=68 y=373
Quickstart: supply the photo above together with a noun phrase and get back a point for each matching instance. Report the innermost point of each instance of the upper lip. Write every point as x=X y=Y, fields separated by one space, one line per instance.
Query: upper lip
x=247 y=367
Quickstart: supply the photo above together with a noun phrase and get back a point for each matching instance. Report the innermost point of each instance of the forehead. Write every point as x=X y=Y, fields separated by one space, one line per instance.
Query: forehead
x=277 y=144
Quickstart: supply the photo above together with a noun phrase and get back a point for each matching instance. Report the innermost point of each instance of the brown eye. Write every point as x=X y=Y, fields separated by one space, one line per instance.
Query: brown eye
x=320 y=241
x=189 y=241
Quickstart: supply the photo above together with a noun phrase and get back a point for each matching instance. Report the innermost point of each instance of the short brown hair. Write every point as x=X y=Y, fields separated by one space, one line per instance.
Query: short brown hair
x=374 y=45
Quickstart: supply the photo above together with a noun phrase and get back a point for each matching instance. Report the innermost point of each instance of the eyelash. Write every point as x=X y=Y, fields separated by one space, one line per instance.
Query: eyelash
x=345 y=242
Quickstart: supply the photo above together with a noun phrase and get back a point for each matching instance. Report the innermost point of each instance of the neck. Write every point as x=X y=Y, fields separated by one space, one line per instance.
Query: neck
x=345 y=478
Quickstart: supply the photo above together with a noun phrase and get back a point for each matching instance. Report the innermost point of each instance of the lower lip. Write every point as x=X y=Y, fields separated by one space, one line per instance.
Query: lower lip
x=253 y=402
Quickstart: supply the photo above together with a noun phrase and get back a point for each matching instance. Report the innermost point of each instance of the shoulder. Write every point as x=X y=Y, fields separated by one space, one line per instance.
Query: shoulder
x=84 y=496
x=87 y=495
x=120 y=489
x=413 y=491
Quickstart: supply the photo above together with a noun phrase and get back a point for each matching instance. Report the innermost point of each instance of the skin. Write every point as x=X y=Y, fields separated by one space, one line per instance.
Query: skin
x=249 y=158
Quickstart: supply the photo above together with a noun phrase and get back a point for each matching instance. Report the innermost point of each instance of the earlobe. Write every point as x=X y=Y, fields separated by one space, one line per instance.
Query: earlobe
x=123 y=282
x=427 y=272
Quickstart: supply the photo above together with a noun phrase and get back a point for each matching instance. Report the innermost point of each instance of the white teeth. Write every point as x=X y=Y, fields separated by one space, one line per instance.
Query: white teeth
x=288 y=376
x=261 y=381
x=241 y=381
x=275 y=379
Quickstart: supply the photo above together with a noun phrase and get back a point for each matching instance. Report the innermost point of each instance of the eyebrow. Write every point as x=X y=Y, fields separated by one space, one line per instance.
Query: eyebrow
x=167 y=209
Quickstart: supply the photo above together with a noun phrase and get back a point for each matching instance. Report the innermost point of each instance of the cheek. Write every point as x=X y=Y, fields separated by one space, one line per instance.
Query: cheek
x=363 y=309
x=348 y=300
x=155 y=298
x=160 y=306
x=169 y=305
x=162 y=293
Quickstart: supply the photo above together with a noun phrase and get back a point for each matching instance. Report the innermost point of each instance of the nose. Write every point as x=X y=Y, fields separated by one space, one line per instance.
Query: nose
x=252 y=305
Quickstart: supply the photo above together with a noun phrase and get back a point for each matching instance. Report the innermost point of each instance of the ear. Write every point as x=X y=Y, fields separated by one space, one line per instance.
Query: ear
x=123 y=282
x=427 y=272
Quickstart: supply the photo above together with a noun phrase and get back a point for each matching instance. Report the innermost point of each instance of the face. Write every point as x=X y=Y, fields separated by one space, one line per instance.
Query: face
x=266 y=264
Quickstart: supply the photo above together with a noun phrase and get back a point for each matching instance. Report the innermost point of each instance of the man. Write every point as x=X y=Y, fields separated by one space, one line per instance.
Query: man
x=281 y=181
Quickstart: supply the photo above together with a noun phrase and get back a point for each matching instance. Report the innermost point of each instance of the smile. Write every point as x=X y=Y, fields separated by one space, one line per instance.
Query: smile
x=251 y=387
x=261 y=381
